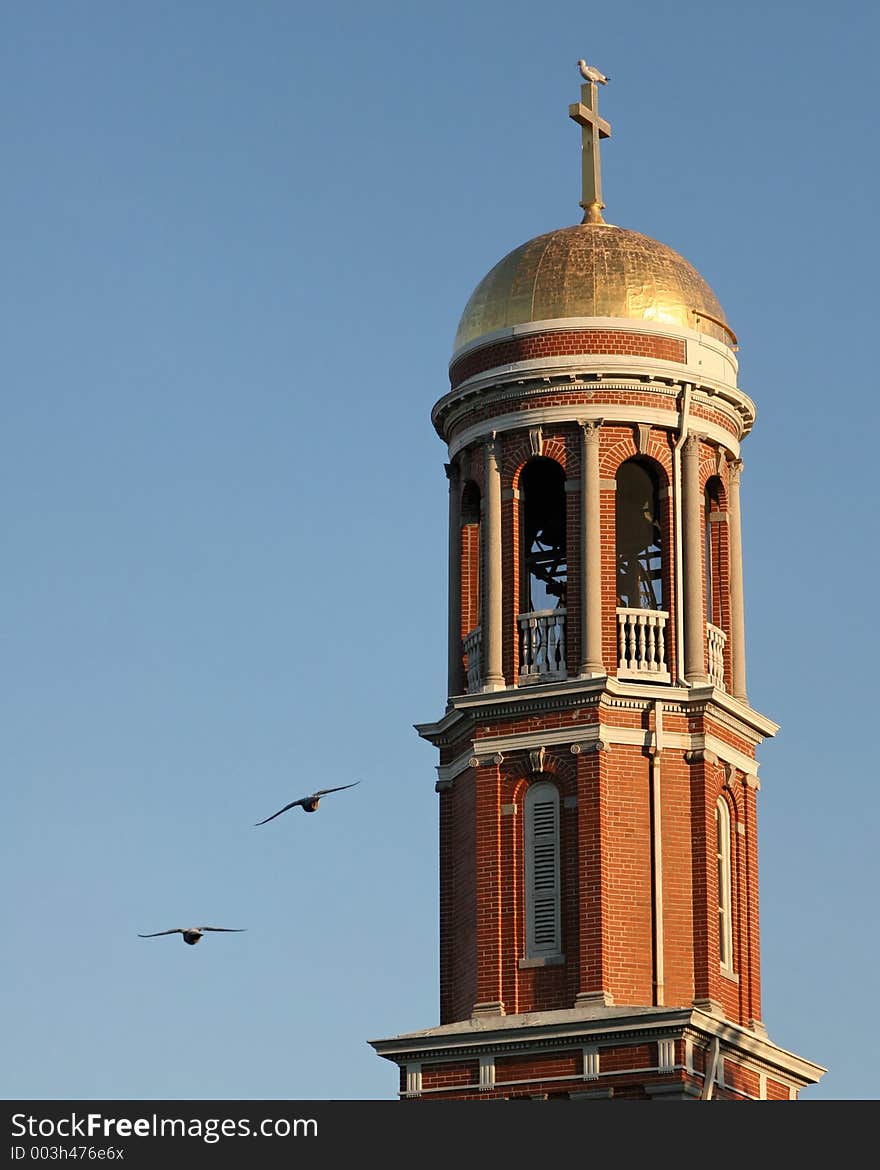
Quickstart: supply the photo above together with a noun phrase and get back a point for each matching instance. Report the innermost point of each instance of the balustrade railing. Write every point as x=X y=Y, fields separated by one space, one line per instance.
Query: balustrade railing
x=641 y=644
x=716 y=640
x=542 y=645
x=473 y=648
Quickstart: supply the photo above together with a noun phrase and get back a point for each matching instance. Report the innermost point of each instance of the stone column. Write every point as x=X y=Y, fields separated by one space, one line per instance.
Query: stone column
x=493 y=677
x=591 y=553
x=692 y=525
x=453 y=474
x=737 y=603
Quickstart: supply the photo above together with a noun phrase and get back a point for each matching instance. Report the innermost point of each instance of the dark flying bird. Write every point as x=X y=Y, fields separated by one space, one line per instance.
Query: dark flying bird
x=591 y=73
x=192 y=934
x=308 y=803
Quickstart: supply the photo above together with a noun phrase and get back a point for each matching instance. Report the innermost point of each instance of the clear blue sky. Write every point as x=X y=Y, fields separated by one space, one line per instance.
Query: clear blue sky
x=237 y=241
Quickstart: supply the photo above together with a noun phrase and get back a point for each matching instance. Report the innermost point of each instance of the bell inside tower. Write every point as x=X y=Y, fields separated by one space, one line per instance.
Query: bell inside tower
x=544 y=559
x=639 y=538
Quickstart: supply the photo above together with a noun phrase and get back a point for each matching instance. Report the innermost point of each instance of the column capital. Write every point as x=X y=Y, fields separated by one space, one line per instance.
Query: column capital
x=692 y=444
x=590 y=428
x=734 y=469
x=453 y=471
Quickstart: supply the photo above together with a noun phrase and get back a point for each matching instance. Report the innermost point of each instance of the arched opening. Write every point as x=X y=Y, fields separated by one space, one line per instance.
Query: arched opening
x=711 y=511
x=544 y=563
x=471 y=629
x=725 y=884
x=641 y=618
x=543 y=570
x=639 y=538
x=716 y=638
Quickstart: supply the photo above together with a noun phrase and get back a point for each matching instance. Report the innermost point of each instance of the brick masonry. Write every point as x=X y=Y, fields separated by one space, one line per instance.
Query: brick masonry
x=568 y=343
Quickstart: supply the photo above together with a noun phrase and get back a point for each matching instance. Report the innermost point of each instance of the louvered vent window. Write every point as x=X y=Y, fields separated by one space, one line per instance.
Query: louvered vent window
x=543 y=918
x=725 y=898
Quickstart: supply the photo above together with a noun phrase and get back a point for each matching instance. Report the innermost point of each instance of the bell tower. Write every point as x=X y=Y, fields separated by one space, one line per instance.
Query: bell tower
x=597 y=782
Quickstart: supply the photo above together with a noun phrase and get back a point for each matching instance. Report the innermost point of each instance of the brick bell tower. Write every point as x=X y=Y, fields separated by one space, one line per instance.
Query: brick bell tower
x=598 y=786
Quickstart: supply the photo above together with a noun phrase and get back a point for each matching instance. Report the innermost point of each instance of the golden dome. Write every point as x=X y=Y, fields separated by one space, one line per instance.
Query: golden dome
x=592 y=270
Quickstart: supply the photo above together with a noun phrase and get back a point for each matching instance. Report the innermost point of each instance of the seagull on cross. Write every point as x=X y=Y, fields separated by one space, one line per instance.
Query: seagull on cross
x=591 y=73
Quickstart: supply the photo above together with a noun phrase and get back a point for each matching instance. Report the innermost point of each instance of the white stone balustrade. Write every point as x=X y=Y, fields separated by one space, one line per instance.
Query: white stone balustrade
x=641 y=641
x=542 y=645
x=716 y=640
x=473 y=648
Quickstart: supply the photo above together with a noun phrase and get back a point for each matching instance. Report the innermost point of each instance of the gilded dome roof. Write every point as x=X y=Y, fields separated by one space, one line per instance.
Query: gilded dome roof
x=592 y=270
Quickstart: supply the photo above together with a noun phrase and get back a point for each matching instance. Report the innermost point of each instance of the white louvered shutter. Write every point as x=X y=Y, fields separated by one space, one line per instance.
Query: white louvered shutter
x=542 y=871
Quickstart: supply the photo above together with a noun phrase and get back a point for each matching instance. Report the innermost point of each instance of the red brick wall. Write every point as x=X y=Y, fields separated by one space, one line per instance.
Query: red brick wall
x=565 y=344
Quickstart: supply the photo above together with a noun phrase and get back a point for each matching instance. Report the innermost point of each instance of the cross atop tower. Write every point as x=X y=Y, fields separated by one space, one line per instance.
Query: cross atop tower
x=594 y=129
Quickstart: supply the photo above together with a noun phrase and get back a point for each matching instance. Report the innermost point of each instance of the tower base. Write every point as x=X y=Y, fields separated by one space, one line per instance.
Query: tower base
x=596 y=1053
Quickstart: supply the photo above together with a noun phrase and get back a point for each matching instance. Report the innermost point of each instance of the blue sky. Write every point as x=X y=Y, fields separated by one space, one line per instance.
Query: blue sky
x=238 y=241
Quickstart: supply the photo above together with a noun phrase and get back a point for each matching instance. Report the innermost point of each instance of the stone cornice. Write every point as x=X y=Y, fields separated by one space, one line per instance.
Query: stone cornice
x=540 y=1031
x=466 y=711
x=607 y=412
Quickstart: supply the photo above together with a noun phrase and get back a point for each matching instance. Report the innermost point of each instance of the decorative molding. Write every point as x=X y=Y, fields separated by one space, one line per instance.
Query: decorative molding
x=729 y=775
x=553 y=416
x=413 y=1078
x=665 y=1055
x=446 y=773
x=443 y=785
x=643 y=437
x=711 y=1007
x=591 y=1062
x=491 y=1007
x=701 y=756
x=594 y=999
x=589 y=746
x=537 y=757
x=508 y=810
x=536 y=440
x=481 y=761
x=487 y=1072
x=590 y=429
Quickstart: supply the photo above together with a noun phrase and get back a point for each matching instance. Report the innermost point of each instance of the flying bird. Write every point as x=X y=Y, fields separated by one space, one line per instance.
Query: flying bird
x=591 y=73
x=192 y=934
x=308 y=803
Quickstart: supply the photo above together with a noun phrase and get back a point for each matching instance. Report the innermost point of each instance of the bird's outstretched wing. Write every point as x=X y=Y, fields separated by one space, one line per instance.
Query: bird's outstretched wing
x=228 y=929
x=177 y=930
x=292 y=804
x=306 y=800
x=324 y=791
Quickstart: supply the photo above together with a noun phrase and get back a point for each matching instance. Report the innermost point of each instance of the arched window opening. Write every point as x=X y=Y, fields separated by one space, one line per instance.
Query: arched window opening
x=641 y=619
x=470 y=584
x=544 y=563
x=639 y=538
x=725 y=899
x=713 y=559
x=716 y=638
x=543 y=572
x=542 y=884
